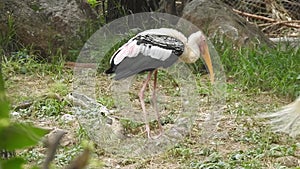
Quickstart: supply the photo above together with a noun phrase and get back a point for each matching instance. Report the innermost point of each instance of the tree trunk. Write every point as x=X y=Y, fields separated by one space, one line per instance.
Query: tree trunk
x=119 y=8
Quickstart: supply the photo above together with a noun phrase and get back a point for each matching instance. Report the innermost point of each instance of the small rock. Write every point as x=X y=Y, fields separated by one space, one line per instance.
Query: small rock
x=66 y=118
x=219 y=22
x=15 y=114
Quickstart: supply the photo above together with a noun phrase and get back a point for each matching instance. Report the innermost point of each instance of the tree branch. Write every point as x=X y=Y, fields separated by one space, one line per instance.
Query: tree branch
x=274 y=21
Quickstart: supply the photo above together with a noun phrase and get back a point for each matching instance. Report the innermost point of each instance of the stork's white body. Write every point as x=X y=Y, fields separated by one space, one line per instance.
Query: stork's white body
x=153 y=49
x=134 y=56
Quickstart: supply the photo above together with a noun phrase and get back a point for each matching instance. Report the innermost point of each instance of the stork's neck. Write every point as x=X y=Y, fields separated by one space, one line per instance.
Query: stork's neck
x=194 y=43
x=191 y=52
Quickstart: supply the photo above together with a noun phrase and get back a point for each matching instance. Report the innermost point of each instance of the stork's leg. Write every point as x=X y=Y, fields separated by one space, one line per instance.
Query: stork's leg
x=154 y=101
x=141 y=96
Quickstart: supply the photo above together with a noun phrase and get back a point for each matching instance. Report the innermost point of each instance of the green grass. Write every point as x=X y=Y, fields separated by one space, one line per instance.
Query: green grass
x=264 y=69
x=25 y=62
x=59 y=88
x=8 y=38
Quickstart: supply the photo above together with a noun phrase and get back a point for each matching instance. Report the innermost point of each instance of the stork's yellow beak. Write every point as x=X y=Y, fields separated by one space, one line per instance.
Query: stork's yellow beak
x=206 y=56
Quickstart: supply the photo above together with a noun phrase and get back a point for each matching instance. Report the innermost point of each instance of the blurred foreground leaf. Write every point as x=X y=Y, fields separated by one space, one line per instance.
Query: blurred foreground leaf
x=17 y=136
x=13 y=163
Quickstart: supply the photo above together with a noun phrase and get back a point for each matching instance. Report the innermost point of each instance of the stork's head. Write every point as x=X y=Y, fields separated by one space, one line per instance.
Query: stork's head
x=198 y=44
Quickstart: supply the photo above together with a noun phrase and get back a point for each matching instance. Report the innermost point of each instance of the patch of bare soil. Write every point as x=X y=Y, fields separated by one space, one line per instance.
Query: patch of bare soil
x=20 y=87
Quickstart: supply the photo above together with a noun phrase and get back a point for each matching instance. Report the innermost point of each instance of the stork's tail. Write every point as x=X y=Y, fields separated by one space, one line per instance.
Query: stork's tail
x=287 y=119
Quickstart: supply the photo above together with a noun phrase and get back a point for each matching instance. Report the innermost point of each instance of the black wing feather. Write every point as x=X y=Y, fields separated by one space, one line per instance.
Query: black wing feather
x=134 y=65
x=140 y=63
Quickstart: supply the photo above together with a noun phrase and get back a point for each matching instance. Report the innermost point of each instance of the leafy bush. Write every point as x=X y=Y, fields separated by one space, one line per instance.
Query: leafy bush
x=15 y=136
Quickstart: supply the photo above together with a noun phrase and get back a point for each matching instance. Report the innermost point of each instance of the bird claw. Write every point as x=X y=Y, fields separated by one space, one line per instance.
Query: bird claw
x=153 y=137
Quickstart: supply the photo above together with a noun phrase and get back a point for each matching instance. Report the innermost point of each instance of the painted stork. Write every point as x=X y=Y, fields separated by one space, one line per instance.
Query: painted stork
x=153 y=49
x=287 y=119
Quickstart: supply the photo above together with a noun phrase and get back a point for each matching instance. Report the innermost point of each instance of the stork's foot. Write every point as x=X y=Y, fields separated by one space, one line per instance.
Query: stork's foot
x=149 y=132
